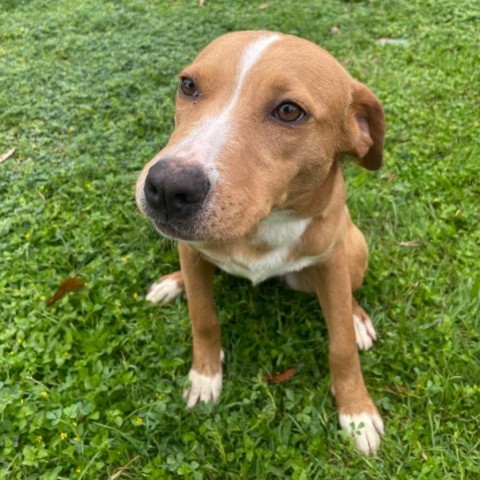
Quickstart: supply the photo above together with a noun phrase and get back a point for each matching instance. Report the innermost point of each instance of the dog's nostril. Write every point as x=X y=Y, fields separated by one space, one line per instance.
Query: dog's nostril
x=151 y=188
x=188 y=197
x=152 y=192
x=181 y=198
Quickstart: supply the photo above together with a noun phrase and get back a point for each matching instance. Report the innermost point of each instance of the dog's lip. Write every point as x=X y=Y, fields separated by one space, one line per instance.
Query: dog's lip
x=194 y=231
x=167 y=230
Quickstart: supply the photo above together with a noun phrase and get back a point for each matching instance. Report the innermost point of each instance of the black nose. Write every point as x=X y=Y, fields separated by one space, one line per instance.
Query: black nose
x=174 y=192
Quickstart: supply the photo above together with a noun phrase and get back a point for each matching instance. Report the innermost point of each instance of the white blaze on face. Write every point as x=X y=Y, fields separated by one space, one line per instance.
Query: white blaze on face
x=205 y=140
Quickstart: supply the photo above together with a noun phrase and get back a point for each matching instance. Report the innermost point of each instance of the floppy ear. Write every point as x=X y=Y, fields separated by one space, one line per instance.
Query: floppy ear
x=364 y=128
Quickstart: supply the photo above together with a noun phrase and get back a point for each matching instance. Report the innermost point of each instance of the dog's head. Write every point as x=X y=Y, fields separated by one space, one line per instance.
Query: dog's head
x=260 y=119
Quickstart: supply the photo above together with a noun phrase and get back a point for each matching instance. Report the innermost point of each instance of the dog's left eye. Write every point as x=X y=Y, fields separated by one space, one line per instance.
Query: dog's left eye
x=188 y=87
x=288 y=112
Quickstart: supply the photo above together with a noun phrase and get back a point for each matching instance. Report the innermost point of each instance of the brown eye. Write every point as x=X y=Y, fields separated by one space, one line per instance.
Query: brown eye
x=188 y=87
x=288 y=112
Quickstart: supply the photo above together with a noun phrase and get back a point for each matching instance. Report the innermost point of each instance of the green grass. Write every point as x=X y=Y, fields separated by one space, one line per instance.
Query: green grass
x=93 y=384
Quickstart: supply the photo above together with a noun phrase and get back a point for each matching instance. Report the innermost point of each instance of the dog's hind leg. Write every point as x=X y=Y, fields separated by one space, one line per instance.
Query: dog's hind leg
x=365 y=334
x=167 y=288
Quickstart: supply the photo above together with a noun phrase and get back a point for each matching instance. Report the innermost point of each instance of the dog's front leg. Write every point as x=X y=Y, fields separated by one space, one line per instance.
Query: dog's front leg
x=357 y=412
x=206 y=372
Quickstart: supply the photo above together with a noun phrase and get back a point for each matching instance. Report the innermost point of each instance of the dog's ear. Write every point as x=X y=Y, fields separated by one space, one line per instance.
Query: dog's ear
x=364 y=128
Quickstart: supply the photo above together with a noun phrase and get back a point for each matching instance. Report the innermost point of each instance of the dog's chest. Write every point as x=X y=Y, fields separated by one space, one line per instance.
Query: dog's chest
x=279 y=234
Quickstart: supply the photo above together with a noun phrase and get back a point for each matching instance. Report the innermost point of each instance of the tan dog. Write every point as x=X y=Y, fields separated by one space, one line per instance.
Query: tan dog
x=251 y=182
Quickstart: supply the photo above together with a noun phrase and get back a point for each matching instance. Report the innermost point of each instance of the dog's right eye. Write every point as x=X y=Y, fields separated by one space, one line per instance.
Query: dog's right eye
x=289 y=112
x=188 y=87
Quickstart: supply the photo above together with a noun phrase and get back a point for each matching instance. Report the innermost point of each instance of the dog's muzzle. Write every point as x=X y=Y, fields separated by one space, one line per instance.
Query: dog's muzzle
x=175 y=195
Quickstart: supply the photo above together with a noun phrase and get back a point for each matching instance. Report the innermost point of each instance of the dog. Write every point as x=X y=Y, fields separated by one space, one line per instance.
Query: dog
x=251 y=182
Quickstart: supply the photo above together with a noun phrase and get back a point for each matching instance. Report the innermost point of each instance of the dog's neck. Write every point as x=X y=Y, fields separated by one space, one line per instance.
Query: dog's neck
x=313 y=201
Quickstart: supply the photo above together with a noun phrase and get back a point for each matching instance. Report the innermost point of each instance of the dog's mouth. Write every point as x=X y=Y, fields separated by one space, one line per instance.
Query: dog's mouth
x=193 y=230
x=188 y=234
x=197 y=231
x=185 y=232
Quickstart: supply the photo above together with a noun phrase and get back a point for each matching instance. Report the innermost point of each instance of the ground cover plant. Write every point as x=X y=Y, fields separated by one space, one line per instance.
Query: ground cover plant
x=90 y=387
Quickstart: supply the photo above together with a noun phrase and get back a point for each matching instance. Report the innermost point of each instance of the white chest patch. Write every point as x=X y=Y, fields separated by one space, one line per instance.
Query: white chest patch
x=282 y=233
x=272 y=264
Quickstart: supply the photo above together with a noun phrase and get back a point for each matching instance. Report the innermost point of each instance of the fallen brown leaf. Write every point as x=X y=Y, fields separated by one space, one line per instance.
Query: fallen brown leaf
x=280 y=377
x=68 y=285
x=7 y=155
x=263 y=6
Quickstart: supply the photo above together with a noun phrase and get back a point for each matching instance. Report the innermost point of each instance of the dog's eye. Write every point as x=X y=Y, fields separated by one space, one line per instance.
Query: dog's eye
x=288 y=112
x=188 y=87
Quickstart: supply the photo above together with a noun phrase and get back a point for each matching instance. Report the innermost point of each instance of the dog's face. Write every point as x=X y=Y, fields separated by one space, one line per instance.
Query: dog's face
x=260 y=118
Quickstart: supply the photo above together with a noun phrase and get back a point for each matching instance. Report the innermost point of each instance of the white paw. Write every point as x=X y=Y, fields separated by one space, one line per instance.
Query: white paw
x=203 y=388
x=364 y=332
x=164 y=291
x=365 y=429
